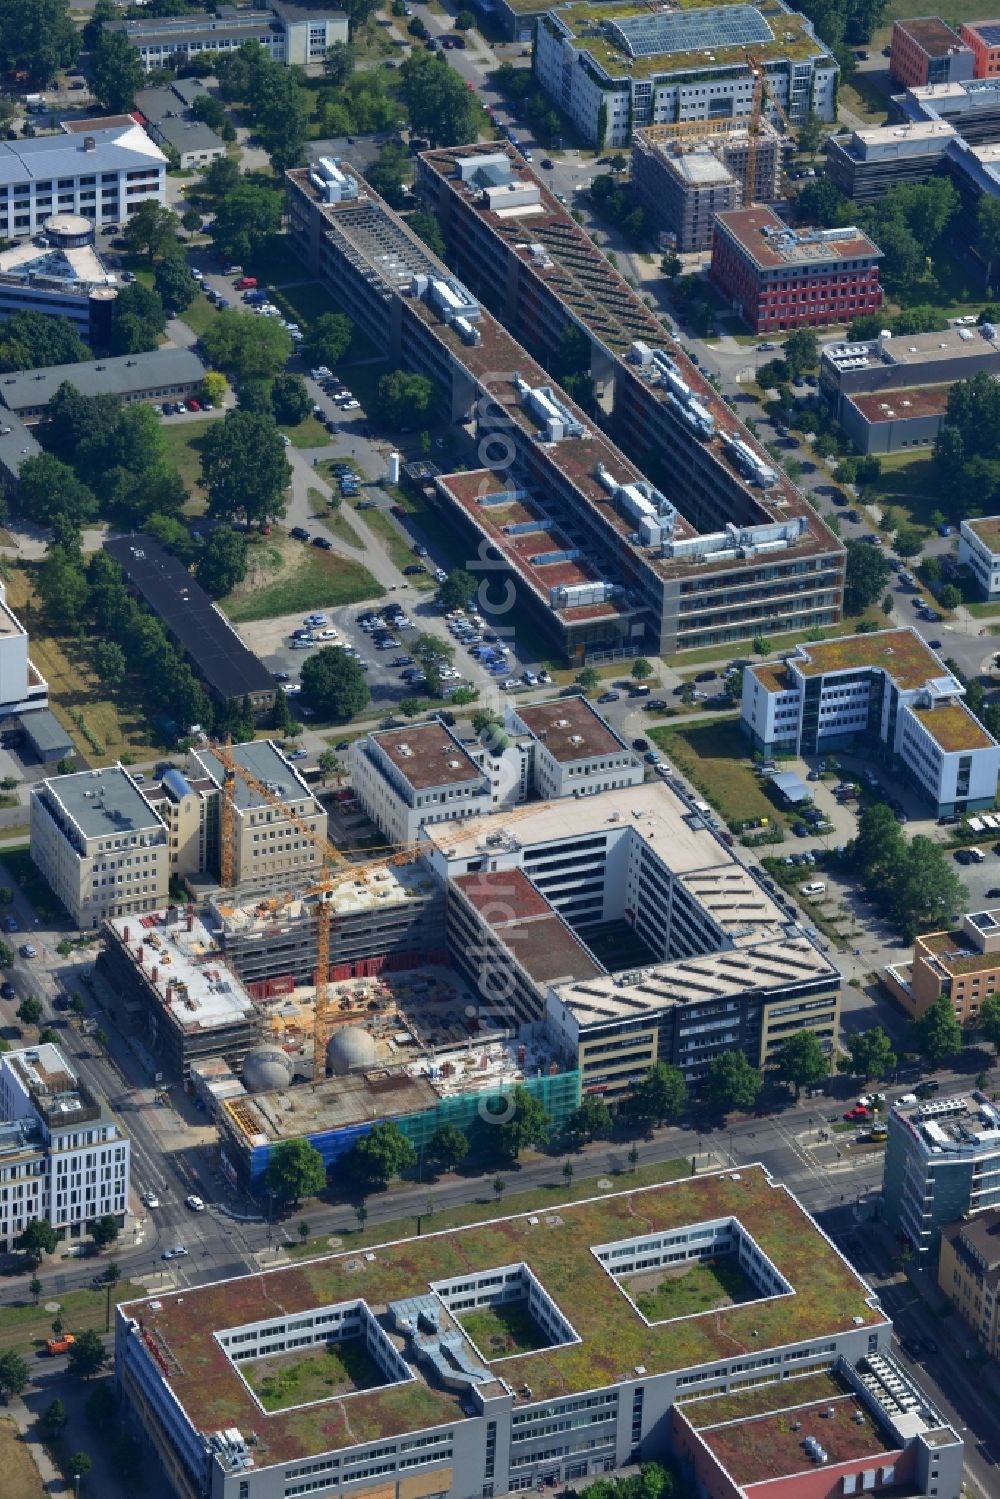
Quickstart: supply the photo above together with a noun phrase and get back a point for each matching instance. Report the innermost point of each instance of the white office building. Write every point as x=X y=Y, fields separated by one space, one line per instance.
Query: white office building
x=888 y=690
x=63 y=1154
x=105 y=175
x=573 y=750
x=979 y=551
x=288 y=32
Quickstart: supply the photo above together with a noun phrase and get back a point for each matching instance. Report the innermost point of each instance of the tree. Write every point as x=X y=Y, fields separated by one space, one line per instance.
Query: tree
x=138 y=320
x=109 y=663
x=32 y=340
x=247 y=347
x=499 y=1187
x=867 y=573
x=245 y=219
x=588 y=678
x=923 y=891
x=761 y=645
x=810 y=134
x=127 y=1456
x=338 y=65
x=223 y=563
x=447 y=1147
x=403 y=399
x=29 y=1011
x=244 y=468
x=870 y=1054
x=101 y=1405
x=54 y=1418
x=15 y=1372
x=328 y=339
x=989 y=1020
x=937 y=1035
x=37 y=37
x=433 y=654
x=211 y=111
x=381 y=1154
x=440 y=106
x=38 y=1238
x=387 y=175
x=641 y=668
x=801 y=1061
x=950 y=597
x=334 y=684
x=591 y=1121
x=48 y=488
x=214 y=388
x=290 y=400
x=458 y=590
x=732 y=1083
x=800 y=351
x=295 y=1170
x=79 y=1464
x=116 y=72
x=35 y=1287
x=327 y=762
x=908 y=541
x=988 y=233
x=152 y=231
x=528 y=1125
x=62 y=586
x=660 y=1095
x=175 y=284
x=427 y=227
x=104 y=1231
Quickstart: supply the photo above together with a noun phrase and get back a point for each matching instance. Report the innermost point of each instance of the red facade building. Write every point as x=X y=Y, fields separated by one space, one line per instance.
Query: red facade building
x=780 y=278
x=925 y=50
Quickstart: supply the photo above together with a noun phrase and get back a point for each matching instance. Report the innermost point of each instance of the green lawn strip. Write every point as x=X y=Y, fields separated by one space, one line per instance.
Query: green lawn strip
x=22 y=1326
x=339 y=1368
x=21 y=1478
x=716 y=757
x=309 y=433
x=501 y=1330
x=984 y=609
x=310 y=579
x=24 y=874
x=184 y=441
x=699 y=1288
x=911 y=486
x=200 y=315
x=302 y=301
x=580 y=1189
x=334 y=520
x=399 y=549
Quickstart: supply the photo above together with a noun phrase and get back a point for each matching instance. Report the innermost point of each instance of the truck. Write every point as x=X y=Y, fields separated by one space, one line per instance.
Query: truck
x=60 y=1345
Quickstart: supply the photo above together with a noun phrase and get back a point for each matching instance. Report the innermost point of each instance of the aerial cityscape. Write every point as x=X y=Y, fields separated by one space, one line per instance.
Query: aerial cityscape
x=499 y=749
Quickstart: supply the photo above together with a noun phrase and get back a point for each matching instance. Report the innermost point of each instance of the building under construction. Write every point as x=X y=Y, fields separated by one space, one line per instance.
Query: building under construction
x=683 y=175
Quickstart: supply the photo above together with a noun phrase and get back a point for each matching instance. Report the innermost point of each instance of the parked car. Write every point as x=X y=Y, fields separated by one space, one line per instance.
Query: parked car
x=322 y=543
x=176 y=1253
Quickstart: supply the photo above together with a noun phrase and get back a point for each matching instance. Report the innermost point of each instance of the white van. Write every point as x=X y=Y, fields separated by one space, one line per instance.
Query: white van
x=814 y=888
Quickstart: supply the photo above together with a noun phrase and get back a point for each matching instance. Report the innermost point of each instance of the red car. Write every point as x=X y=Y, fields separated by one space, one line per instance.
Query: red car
x=399 y=509
x=192 y=404
x=857 y=1113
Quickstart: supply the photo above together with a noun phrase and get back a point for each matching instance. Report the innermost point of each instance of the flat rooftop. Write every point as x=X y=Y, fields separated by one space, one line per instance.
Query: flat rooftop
x=124 y=375
x=954 y=728
x=933 y=36
x=652 y=809
x=898 y=405
x=428 y=755
x=770 y=243
x=376 y=889
x=45 y=157
x=828 y=1297
x=911 y=350
x=54 y=268
x=184 y=966
x=768 y=1447
x=902 y=654
x=953 y=953
x=880 y=138
x=104 y=803
x=953 y=1126
x=987 y=529
x=775 y=676
x=43 y=1067
x=534 y=934
x=262 y=759
x=570 y=729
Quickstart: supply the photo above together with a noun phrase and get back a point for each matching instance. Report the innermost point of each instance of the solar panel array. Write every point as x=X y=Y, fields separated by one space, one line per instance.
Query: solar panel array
x=990 y=33
x=692 y=30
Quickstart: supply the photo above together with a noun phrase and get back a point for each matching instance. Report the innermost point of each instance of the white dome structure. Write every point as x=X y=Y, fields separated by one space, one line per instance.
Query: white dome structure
x=266 y=1068
x=350 y=1050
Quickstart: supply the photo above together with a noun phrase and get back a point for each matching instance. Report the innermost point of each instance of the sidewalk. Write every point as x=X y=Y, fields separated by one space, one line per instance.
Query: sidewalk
x=52 y=1480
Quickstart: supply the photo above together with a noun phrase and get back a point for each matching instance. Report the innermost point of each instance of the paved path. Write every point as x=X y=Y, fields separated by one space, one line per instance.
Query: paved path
x=52 y=1480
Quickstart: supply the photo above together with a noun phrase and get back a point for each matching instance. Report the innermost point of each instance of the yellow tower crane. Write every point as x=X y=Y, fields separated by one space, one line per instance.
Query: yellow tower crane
x=761 y=84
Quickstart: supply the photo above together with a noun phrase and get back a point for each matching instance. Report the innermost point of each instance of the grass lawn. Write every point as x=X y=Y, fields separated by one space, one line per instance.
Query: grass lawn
x=716 y=757
x=912 y=486
x=21 y=1479
x=309 y=433
x=23 y=1327
x=499 y=1331
x=200 y=315
x=295 y=1378
x=701 y=1287
x=22 y=871
x=396 y=544
x=285 y=577
x=335 y=520
x=303 y=301
x=184 y=440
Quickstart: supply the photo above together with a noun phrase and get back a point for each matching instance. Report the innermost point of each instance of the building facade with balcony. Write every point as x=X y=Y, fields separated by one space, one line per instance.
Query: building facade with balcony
x=942 y=1164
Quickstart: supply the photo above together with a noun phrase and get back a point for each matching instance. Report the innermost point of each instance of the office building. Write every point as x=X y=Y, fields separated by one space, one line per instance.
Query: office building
x=969 y=1275
x=163 y=374
x=63 y=276
x=926 y=51
x=891 y=421
x=867 y=162
x=983 y=40
x=64 y=1155
x=437 y=1412
x=23 y=689
x=573 y=750
x=888 y=691
x=942 y=1163
x=289 y=32
x=684 y=179
x=405 y=778
x=172 y=994
x=963 y=965
x=675 y=557
x=166 y=113
x=227 y=667
x=979 y=551
x=105 y=175
x=99 y=844
x=612 y=67
x=778 y=278
x=703 y=959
